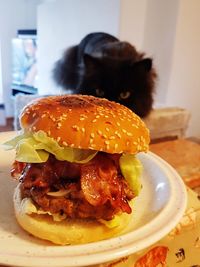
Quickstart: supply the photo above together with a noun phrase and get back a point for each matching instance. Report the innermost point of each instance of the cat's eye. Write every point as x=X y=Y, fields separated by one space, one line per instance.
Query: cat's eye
x=124 y=95
x=99 y=92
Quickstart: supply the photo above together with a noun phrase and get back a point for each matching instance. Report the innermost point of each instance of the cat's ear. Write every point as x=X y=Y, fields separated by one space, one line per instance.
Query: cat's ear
x=90 y=61
x=144 y=64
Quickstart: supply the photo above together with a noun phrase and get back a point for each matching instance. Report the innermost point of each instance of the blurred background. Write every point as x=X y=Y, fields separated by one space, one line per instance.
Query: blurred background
x=34 y=34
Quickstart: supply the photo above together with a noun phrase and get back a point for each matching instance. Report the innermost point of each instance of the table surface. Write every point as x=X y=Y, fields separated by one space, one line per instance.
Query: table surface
x=184 y=156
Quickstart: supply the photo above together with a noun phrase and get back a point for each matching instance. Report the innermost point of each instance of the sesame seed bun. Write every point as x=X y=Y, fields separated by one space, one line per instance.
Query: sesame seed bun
x=67 y=231
x=87 y=122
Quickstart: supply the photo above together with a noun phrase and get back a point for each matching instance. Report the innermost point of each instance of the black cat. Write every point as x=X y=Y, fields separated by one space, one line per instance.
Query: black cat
x=103 y=66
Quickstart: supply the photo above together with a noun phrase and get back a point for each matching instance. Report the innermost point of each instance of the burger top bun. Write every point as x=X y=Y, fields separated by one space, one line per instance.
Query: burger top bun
x=67 y=231
x=87 y=122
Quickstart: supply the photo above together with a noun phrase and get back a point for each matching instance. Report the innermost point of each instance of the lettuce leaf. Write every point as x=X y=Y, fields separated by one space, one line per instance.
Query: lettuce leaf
x=27 y=149
x=35 y=148
x=131 y=169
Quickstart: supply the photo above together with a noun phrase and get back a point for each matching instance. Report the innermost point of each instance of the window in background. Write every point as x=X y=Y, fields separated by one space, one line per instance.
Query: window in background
x=24 y=62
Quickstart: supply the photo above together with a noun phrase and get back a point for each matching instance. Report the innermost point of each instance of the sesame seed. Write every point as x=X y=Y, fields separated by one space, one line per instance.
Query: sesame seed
x=58 y=138
x=107 y=142
x=34 y=114
x=107 y=129
x=124 y=131
x=65 y=143
x=52 y=118
x=105 y=136
x=59 y=125
x=83 y=116
x=97 y=117
x=72 y=145
x=92 y=135
x=124 y=112
x=129 y=134
x=94 y=120
x=49 y=132
x=43 y=115
x=118 y=134
x=99 y=132
x=75 y=127
x=82 y=129
x=34 y=128
x=118 y=124
x=62 y=118
x=116 y=146
x=112 y=137
x=92 y=145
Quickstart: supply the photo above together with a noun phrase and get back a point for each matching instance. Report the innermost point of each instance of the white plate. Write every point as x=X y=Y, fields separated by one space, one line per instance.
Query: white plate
x=158 y=209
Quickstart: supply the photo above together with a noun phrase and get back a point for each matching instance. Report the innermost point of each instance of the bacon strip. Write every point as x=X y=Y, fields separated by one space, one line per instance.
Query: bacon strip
x=101 y=183
x=17 y=169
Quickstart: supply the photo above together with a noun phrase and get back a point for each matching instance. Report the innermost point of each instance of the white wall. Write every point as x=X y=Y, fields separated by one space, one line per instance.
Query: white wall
x=158 y=42
x=169 y=31
x=14 y=15
x=63 y=23
x=184 y=82
x=132 y=21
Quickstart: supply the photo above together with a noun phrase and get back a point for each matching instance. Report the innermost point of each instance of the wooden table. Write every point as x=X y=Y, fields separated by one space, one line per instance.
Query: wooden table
x=184 y=156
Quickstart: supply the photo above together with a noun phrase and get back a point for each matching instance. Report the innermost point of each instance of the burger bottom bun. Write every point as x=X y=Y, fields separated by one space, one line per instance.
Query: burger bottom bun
x=68 y=231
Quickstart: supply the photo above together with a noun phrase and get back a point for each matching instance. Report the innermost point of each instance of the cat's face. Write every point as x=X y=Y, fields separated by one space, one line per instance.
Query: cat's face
x=125 y=82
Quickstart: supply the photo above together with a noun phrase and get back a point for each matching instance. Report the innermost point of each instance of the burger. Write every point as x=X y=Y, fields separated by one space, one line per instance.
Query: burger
x=76 y=168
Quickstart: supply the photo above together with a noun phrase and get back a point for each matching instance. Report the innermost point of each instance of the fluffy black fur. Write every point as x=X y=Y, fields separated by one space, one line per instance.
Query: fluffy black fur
x=103 y=66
